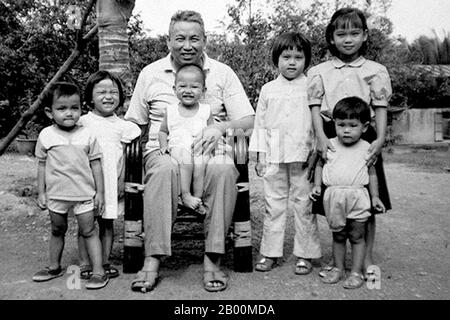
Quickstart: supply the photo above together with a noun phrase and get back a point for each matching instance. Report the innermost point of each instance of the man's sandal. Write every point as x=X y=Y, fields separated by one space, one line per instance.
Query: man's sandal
x=354 y=281
x=145 y=281
x=265 y=264
x=303 y=266
x=332 y=276
x=210 y=278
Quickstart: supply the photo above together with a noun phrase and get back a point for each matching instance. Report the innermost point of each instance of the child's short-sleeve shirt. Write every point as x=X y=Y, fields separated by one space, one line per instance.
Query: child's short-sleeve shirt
x=182 y=130
x=67 y=156
x=334 y=80
x=283 y=123
x=347 y=165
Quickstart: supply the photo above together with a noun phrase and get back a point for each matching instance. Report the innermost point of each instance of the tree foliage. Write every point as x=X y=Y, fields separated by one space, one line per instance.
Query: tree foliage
x=34 y=42
x=433 y=50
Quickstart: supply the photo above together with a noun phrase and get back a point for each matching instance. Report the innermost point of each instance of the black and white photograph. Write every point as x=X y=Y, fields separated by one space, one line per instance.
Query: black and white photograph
x=223 y=157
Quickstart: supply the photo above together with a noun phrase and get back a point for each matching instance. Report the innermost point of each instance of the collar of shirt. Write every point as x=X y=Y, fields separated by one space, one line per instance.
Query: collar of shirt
x=112 y=117
x=168 y=66
x=338 y=63
x=302 y=77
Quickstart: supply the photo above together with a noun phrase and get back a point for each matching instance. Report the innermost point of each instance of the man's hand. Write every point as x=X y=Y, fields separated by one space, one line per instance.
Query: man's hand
x=373 y=152
x=99 y=203
x=42 y=201
x=206 y=141
x=315 y=193
x=378 y=205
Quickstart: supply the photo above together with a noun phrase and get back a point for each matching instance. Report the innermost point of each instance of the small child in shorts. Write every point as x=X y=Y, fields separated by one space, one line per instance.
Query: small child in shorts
x=346 y=200
x=69 y=177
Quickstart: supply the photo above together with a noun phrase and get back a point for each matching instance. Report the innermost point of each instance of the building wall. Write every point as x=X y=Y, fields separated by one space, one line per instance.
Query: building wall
x=418 y=126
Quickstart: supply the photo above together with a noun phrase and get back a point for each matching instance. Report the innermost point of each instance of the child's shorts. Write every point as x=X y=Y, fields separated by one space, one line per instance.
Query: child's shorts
x=63 y=207
x=345 y=202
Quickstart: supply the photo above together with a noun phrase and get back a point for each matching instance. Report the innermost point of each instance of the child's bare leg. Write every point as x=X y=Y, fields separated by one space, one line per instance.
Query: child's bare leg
x=335 y=274
x=184 y=159
x=339 y=249
x=89 y=232
x=82 y=251
x=356 y=237
x=370 y=240
x=106 y=237
x=59 y=228
x=198 y=180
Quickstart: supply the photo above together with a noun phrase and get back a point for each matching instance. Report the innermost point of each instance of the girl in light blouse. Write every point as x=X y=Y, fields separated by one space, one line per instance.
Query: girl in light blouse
x=283 y=137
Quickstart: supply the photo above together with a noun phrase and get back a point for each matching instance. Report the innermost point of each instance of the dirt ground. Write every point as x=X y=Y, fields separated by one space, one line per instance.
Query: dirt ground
x=412 y=248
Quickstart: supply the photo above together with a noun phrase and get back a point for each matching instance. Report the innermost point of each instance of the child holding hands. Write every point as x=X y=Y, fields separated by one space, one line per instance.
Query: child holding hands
x=69 y=177
x=347 y=74
x=346 y=200
x=283 y=138
x=104 y=94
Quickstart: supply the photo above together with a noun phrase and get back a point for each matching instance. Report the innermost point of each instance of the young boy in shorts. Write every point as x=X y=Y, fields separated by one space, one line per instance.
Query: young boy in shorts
x=69 y=177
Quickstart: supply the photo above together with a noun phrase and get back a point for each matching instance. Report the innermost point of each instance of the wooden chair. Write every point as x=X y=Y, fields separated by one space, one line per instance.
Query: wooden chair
x=133 y=220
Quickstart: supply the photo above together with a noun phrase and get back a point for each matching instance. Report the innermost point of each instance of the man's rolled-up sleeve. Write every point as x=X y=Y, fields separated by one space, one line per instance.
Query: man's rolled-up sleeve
x=138 y=109
x=235 y=99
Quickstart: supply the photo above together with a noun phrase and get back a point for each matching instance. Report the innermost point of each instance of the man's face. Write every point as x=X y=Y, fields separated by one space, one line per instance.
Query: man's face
x=186 y=43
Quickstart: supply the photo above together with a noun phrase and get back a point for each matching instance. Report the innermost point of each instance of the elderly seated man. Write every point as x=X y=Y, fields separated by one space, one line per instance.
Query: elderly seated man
x=231 y=110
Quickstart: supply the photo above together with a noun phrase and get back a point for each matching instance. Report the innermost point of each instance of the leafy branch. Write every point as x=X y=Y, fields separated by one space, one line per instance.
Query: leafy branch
x=80 y=43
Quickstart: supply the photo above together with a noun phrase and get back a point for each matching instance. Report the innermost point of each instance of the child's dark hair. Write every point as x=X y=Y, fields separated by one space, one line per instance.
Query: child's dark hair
x=96 y=78
x=291 y=40
x=60 y=89
x=352 y=108
x=192 y=66
x=342 y=19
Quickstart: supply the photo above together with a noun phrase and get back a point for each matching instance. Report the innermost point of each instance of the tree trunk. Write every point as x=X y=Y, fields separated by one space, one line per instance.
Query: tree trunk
x=112 y=20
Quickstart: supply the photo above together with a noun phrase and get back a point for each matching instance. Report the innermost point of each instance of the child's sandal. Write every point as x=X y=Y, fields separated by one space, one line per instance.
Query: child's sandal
x=303 y=267
x=265 y=264
x=332 y=276
x=48 y=274
x=85 y=272
x=110 y=271
x=354 y=281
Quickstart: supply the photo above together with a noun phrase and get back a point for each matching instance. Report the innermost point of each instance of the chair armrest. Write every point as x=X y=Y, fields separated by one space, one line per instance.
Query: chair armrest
x=240 y=146
x=133 y=161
